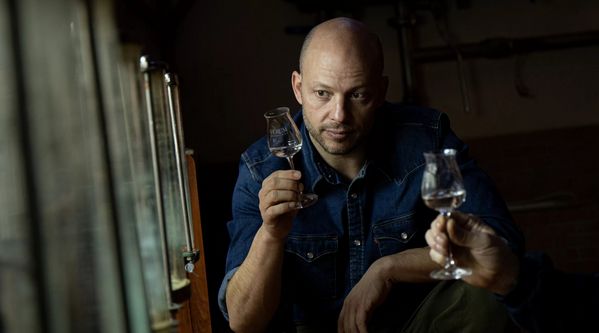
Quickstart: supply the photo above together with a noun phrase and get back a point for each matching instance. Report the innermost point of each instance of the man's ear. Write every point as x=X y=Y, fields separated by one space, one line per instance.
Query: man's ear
x=296 y=85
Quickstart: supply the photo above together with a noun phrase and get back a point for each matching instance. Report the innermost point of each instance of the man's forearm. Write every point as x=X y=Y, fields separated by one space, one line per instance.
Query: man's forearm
x=413 y=265
x=254 y=290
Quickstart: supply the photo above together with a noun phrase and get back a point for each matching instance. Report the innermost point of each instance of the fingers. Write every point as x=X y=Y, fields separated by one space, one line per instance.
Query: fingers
x=439 y=223
x=362 y=324
x=283 y=179
x=436 y=233
x=470 y=222
x=437 y=256
x=473 y=235
x=463 y=230
x=438 y=242
x=276 y=196
x=352 y=319
x=465 y=221
x=343 y=323
x=456 y=229
x=280 y=193
x=275 y=211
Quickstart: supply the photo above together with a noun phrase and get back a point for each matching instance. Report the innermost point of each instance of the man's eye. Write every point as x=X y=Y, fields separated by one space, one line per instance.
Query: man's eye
x=321 y=93
x=358 y=95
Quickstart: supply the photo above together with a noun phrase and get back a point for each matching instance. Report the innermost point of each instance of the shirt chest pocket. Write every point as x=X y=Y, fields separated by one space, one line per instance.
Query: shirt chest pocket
x=395 y=235
x=310 y=262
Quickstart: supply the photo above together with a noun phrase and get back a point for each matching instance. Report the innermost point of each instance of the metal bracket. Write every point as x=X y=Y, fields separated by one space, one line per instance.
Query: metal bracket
x=190 y=258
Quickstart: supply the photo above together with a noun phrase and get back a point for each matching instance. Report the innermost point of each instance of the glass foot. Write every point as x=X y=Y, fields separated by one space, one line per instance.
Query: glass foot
x=308 y=199
x=451 y=273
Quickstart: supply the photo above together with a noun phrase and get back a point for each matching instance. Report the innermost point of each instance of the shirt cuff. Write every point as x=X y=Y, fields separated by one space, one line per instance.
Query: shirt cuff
x=222 y=293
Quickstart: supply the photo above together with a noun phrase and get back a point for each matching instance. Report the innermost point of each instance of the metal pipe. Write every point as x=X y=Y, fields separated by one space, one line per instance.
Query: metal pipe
x=462 y=78
x=146 y=67
x=36 y=257
x=181 y=161
x=505 y=47
x=402 y=23
x=550 y=201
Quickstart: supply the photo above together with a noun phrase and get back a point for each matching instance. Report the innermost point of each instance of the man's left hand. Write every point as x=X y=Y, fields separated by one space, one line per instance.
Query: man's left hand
x=370 y=292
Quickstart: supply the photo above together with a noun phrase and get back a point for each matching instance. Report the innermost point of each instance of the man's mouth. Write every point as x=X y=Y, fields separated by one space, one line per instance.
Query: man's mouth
x=337 y=134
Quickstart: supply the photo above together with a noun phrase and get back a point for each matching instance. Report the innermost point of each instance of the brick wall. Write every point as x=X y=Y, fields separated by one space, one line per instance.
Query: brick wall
x=550 y=180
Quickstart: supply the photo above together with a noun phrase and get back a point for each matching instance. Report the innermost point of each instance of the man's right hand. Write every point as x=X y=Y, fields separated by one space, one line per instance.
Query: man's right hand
x=279 y=201
x=253 y=293
x=474 y=245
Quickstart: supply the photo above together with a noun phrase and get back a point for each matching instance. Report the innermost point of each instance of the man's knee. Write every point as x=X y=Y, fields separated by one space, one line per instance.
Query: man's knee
x=454 y=306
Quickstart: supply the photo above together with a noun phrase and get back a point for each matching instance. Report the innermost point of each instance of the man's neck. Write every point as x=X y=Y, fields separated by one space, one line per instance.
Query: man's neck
x=348 y=165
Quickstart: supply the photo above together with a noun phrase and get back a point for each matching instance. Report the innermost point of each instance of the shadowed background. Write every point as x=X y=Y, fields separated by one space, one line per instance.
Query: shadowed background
x=524 y=97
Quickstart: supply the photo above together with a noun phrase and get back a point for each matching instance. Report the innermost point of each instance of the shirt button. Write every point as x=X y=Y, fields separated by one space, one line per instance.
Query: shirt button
x=357 y=242
x=310 y=255
x=404 y=235
x=354 y=195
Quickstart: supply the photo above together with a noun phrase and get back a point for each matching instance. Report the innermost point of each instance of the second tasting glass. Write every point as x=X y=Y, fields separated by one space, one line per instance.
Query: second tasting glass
x=285 y=140
x=443 y=190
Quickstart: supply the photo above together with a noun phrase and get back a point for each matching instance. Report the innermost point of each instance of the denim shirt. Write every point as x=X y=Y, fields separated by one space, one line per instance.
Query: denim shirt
x=354 y=223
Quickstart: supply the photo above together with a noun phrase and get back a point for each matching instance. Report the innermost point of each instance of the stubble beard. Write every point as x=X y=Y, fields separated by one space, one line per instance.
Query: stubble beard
x=352 y=143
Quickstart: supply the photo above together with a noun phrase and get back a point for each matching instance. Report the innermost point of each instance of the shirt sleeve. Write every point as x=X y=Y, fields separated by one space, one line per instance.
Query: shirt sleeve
x=246 y=217
x=222 y=293
x=242 y=228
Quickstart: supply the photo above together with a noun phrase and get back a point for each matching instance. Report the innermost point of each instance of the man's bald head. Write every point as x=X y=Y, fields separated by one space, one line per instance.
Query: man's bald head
x=347 y=36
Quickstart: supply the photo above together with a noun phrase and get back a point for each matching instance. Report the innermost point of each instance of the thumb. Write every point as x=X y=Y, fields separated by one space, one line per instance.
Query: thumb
x=466 y=237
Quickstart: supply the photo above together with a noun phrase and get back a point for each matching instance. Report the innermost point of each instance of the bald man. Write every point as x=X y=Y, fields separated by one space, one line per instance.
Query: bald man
x=356 y=260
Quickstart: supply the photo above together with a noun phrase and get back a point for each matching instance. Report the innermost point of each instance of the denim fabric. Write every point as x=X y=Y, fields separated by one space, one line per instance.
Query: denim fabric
x=354 y=223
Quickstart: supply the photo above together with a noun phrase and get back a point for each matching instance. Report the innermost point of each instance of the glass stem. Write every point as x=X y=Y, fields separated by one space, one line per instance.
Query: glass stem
x=449 y=262
x=290 y=160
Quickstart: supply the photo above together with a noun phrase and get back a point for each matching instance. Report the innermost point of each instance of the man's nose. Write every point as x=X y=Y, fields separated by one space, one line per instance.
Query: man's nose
x=340 y=112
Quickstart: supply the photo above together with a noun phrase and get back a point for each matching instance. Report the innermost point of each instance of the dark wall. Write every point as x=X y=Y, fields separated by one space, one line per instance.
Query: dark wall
x=215 y=185
x=549 y=179
x=235 y=59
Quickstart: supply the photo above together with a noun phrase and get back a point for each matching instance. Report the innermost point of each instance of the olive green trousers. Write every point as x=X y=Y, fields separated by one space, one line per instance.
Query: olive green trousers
x=452 y=306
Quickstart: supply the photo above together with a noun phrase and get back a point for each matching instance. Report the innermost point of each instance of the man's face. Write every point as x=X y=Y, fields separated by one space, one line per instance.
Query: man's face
x=339 y=95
